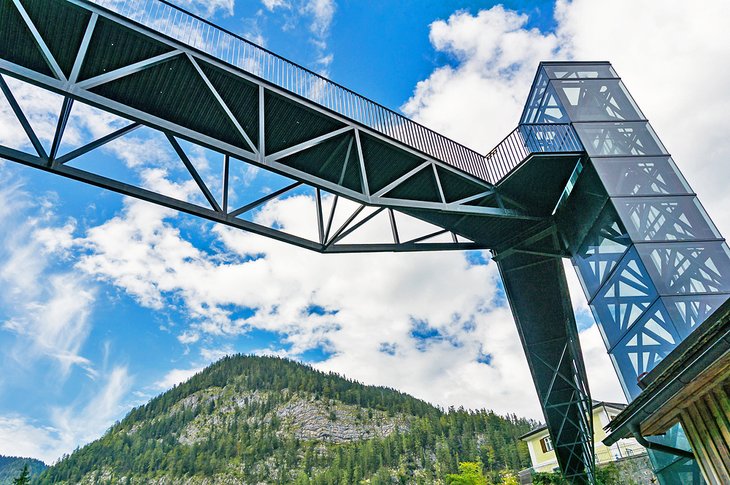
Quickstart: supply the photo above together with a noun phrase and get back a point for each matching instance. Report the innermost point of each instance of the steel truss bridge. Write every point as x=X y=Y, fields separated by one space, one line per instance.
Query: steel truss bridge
x=543 y=194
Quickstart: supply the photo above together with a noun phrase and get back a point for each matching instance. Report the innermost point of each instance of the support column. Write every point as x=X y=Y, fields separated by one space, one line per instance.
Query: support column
x=538 y=295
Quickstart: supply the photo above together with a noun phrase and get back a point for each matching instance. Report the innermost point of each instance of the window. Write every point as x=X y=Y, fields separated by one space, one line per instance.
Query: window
x=546 y=444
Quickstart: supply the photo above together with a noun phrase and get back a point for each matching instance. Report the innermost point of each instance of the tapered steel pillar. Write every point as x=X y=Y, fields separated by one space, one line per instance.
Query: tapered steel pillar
x=538 y=295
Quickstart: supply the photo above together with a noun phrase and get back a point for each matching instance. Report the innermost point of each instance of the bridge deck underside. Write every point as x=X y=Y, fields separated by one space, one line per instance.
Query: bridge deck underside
x=90 y=55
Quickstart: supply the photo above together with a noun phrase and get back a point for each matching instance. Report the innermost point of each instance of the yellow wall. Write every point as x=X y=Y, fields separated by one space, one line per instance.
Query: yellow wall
x=547 y=462
x=541 y=462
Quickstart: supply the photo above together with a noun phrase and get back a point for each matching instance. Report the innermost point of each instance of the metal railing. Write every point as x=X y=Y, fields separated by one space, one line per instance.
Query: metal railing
x=526 y=140
x=198 y=33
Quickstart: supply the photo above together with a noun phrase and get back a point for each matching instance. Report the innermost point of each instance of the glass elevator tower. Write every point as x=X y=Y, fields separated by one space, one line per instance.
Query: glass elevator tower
x=652 y=264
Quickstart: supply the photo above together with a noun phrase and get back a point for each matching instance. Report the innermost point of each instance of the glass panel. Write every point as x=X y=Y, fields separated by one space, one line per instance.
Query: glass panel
x=601 y=250
x=688 y=312
x=579 y=71
x=682 y=471
x=597 y=100
x=623 y=298
x=665 y=218
x=619 y=139
x=676 y=438
x=641 y=176
x=535 y=98
x=645 y=344
x=550 y=109
x=686 y=268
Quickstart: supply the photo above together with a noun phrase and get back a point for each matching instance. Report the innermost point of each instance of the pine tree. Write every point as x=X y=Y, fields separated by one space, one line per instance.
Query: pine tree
x=24 y=477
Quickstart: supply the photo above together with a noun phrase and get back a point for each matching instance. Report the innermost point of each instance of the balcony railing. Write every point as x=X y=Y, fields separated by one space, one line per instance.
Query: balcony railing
x=200 y=34
x=528 y=139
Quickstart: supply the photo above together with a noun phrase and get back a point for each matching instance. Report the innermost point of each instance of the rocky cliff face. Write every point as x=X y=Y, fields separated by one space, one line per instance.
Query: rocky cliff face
x=300 y=415
x=310 y=419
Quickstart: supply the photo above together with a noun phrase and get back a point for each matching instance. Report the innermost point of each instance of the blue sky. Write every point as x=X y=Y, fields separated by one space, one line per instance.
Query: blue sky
x=107 y=301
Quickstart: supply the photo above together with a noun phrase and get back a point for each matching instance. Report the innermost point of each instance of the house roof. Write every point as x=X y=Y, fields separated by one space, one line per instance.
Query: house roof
x=596 y=404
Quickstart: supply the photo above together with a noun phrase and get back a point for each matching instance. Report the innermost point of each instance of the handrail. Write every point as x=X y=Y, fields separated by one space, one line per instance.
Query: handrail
x=526 y=140
x=198 y=33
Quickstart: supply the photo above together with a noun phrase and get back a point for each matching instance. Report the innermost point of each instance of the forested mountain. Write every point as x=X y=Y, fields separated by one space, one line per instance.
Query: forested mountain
x=11 y=466
x=257 y=420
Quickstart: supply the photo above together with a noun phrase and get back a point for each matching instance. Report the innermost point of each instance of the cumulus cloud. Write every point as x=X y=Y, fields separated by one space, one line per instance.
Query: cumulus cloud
x=672 y=57
x=388 y=319
x=477 y=99
x=348 y=306
x=41 y=109
x=175 y=377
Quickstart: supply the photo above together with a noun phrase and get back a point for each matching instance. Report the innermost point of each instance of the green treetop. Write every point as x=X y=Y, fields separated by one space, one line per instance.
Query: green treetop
x=470 y=473
x=24 y=477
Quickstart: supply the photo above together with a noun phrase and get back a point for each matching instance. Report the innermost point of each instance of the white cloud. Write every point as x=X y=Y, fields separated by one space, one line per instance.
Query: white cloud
x=478 y=100
x=86 y=423
x=208 y=8
x=272 y=5
x=175 y=377
x=602 y=378
x=369 y=301
x=251 y=30
x=673 y=57
x=51 y=319
x=22 y=437
x=212 y=355
x=40 y=108
x=322 y=12
x=69 y=426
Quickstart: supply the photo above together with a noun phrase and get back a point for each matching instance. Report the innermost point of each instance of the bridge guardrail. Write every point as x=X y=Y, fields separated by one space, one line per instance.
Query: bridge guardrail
x=201 y=34
x=528 y=139
x=198 y=33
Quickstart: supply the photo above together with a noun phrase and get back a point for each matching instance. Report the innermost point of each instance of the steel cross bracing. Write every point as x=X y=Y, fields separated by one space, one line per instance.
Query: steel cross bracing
x=535 y=284
x=400 y=179
x=330 y=233
x=356 y=171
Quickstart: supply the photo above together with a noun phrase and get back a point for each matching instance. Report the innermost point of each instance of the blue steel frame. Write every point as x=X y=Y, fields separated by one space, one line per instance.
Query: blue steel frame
x=652 y=264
